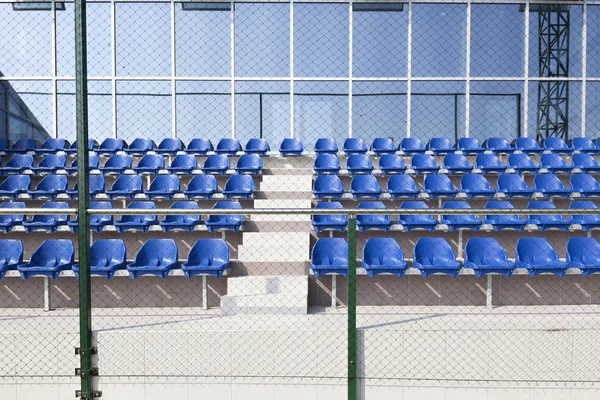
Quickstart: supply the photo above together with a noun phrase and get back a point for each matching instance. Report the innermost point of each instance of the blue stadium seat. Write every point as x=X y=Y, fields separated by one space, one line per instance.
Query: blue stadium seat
x=382 y=146
x=326 y=164
x=402 y=186
x=512 y=185
x=359 y=164
x=328 y=186
x=527 y=145
x=126 y=187
x=49 y=187
x=170 y=146
x=92 y=145
x=411 y=146
x=503 y=221
x=498 y=145
x=585 y=185
x=48 y=223
x=216 y=164
x=23 y=145
x=550 y=185
x=291 y=147
x=365 y=186
x=554 y=163
x=150 y=164
x=93 y=163
x=249 y=164
x=416 y=221
x=14 y=185
x=424 y=163
x=12 y=255
x=329 y=256
x=199 y=146
x=181 y=222
x=456 y=163
x=333 y=222
x=97 y=221
x=228 y=146
x=434 y=255
x=18 y=164
x=391 y=164
x=366 y=222
x=140 y=146
x=547 y=221
x=583 y=144
x=486 y=256
x=583 y=253
x=587 y=221
x=476 y=185
x=156 y=257
x=440 y=146
x=117 y=163
x=521 y=162
x=106 y=257
x=538 y=256
x=52 y=145
x=326 y=146
x=557 y=145
x=585 y=162
x=183 y=164
x=163 y=186
x=469 y=146
x=207 y=257
x=239 y=186
x=355 y=146
x=50 y=164
x=111 y=145
x=50 y=259
x=439 y=185
x=489 y=163
x=137 y=222
x=7 y=222
x=96 y=187
x=455 y=222
x=201 y=186
x=381 y=256
x=229 y=222
x=257 y=146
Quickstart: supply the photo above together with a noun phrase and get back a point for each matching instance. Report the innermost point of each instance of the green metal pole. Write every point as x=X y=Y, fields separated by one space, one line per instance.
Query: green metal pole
x=81 y=105
x=352 y=308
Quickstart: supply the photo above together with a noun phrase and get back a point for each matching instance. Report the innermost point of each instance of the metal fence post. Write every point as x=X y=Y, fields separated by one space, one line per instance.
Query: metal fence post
x=351 y=307
x=81 y=104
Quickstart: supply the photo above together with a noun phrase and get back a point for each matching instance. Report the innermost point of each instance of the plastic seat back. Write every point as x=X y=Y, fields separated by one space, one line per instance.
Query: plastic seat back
x=53 y=145
x=98 y=219
x=52 y=184
x=183 y=162
x=216 y=162
x=391 y=164
x=53 y=252
x=249 y=163
x=552 y=161
x=53 y=162
x=203 y=183
x=423 y=161
x=527 y=144
x=484 y=251
x=291 y=147
x=469 y=145
x=547 y=182
x=228 y=146
x=112 y=145
x=145 y=219
x=535 y=251
x=24 y=145
x=170 y=146
x=199 y=146
x=231 y=218
x=156 y=252
x=257 y=146
x=7 y=220
x=584 y=183
x=497 y=144
x=92 y=144
x=239 y=184
x=401 y=183
x=151 y=162
x=326 y=164
x=585 y=161
x=474 y=183
x=586 y=220
x=555 y=144
x=355 y=146
x=383 y=146
x=327 y=219
x=382 y=251
x=11 y=253
x=585 y=251
x=326 y=146
x=456 y=162
x=106 y=252
x=511 y=183
x=365 y=184
x=93 y=162
x=359 y=163
x=459 y=219
x=15 y=183
x=140 y=146
x=440 y=145
x=165 y=183
x=488 y=162
x=501 y=218
x=118 y=162
x=127 y=183
x=433 y=252
x=20 y=161
x=521 y=162
x=582 y=144
x=328 y=185
x=183 y=219
x=438 y=183
x=208 y=252
x=330 y=252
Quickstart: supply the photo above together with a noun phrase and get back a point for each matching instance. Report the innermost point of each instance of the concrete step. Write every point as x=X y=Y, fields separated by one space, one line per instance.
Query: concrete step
x=277 y=203
x=283 y=183
x=263 y=285
x=274 y=246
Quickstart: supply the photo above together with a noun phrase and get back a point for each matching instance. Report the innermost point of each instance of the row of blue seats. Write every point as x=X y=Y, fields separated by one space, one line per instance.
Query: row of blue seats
x=434 y=255
x=149 y=164
x=156 y=257
x=328 y=164
x=464 y=145
x=455 y=222
x=170 y=146
x=471 y=186
x=50 y=223
x=129 y=186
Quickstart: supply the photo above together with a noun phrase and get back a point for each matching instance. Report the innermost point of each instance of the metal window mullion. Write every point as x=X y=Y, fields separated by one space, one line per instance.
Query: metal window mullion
x=113 y=18
x=468 y=73
x=583 y=68
x=350 y=69
x=232 y=64
x=292 y=110
x=54 y=73
x=173 y=73
x=526 y=73
x=409 y=69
